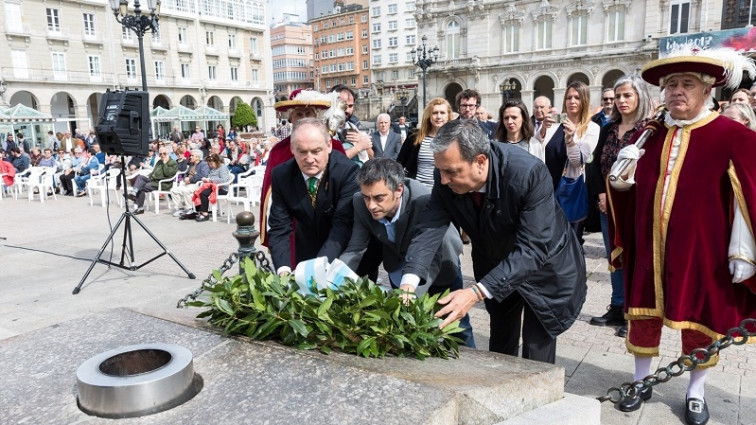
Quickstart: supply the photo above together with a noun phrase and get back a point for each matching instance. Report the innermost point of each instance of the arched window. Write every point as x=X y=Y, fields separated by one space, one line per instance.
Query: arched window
x=453 y=40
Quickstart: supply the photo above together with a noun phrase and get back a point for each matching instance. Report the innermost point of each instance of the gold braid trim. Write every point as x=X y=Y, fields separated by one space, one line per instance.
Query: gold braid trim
x=264 y=214
x=618 y=250
x=737 y=189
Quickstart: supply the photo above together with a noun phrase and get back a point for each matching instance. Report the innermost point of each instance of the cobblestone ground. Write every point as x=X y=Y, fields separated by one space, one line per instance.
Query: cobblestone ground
x=595 y=359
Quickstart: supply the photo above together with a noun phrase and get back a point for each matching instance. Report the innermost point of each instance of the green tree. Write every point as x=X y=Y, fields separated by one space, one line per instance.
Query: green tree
x=244 y=116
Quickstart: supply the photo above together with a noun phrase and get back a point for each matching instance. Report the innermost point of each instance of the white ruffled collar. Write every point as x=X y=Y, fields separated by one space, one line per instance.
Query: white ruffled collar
x=682 y=123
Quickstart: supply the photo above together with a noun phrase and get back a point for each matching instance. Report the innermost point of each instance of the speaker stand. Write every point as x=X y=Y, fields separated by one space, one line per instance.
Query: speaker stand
x=128 y=241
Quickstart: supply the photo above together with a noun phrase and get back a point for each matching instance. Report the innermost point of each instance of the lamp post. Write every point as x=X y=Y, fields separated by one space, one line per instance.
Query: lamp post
x=506 y=89
x=139 y=23
x=403 y=98
x=425 y=58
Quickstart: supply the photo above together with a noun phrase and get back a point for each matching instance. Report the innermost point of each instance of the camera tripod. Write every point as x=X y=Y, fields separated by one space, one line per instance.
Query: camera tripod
x=128 y=241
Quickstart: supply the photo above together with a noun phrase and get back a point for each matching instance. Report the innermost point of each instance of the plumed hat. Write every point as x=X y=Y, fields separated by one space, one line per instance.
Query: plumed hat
x=718 y=67
x=301 y=97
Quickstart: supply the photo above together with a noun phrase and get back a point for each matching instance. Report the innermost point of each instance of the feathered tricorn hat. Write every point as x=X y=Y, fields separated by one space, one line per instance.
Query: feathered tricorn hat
x=723 y=66
x=301 y=97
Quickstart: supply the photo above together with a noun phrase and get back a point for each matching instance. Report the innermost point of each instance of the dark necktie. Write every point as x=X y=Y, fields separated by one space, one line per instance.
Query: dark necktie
x=477 y=198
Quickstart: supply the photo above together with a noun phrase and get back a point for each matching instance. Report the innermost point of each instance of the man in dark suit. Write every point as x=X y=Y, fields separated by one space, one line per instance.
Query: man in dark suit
x=386 y=143
x=525 y=258
x=402 y=128
x=468 y=102
x=388 y=208
x=315 y=188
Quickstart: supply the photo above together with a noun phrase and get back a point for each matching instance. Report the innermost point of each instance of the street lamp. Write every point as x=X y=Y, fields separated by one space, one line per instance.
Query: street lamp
x=425 y=58
x=403 y=97
x=139 y=23
x=506 y=89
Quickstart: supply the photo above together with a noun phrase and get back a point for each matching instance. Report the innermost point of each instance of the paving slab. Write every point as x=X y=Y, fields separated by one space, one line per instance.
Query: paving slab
x=272 y=383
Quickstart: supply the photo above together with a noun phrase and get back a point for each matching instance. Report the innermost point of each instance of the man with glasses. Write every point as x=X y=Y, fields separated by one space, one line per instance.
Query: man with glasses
x=165 y=168
x=607 y=103
x=468 y=102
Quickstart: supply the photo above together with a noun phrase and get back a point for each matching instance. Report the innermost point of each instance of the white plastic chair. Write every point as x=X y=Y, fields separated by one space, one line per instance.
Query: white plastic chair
x=41 y=179
x=129 y=180
x=252 y=186
x=219 y=197
x=166 y=193
x=103 y=183
x=20 y=181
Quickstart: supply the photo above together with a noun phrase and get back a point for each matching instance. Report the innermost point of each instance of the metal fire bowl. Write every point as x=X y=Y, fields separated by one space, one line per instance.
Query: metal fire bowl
x=137 y=380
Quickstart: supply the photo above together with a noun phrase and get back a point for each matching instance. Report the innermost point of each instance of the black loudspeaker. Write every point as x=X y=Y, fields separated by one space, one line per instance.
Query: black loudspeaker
x=123 y=127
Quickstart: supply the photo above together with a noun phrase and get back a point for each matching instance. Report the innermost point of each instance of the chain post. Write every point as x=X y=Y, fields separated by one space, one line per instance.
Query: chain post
x=246 y=234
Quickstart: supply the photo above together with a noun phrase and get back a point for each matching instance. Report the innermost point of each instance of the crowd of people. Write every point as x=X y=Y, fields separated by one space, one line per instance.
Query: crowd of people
x=673 y=194
x=178 y=164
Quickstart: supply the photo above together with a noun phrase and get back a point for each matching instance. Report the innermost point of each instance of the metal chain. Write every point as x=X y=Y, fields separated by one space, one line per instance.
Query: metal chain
x=211 y=281
x=262 y=262
x=686 y=363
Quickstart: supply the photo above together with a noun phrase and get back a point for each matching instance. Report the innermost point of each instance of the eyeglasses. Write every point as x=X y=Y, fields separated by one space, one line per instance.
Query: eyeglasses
x=463 y=105
x=162 y=154
x=607 y=99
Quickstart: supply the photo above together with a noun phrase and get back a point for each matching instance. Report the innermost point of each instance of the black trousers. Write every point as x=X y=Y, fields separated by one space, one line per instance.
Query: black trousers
x=506 y=318
x=66 y=181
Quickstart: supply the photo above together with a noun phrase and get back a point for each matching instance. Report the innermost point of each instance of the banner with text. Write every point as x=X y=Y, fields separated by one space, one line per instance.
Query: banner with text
x=741 y=39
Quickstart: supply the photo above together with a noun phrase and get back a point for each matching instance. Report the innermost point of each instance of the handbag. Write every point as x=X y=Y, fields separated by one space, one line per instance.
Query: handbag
x=572 y=194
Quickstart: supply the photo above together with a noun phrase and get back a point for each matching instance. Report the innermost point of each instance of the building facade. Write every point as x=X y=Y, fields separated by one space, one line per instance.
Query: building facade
x=61 y=56
x=393 y=34
x=524 y=49
x=341 y=51
x=291 y=47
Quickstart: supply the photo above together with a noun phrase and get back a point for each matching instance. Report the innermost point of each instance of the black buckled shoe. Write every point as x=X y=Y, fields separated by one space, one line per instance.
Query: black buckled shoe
x=614 y=316
x=188 y=216
x=622 y=331
x=633 y=404
x=696 y=411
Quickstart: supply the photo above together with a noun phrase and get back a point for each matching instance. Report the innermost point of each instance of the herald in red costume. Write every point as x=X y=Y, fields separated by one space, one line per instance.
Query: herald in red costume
x=677 y=253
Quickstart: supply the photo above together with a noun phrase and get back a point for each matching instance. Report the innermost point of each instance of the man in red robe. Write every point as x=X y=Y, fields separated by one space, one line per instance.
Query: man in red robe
x=683 y=214
x=301 y=104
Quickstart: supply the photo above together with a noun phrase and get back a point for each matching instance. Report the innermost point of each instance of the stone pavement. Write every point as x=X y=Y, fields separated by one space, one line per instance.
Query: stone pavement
x=49 y=247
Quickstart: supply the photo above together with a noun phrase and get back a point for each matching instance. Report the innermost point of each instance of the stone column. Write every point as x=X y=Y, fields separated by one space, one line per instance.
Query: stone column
x=527 y=99
x=595 y=97
x=559 y=98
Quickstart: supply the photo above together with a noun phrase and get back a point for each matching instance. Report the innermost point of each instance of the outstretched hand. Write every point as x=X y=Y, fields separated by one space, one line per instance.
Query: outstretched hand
x=456 y=306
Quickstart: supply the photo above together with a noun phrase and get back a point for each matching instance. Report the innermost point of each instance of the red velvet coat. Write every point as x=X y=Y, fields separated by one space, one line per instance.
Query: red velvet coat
x=676 y=255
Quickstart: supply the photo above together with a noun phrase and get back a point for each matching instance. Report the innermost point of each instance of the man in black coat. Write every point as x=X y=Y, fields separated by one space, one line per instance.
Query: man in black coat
x=525 y=258
x=315 y=188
